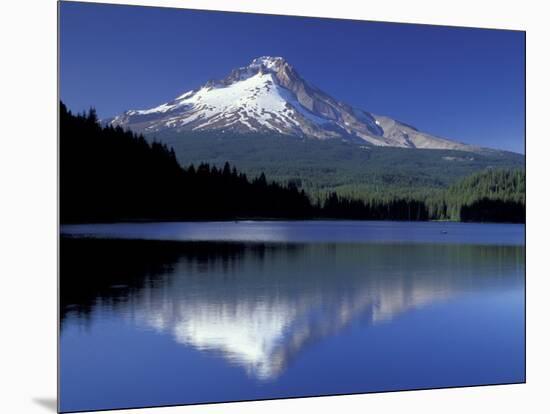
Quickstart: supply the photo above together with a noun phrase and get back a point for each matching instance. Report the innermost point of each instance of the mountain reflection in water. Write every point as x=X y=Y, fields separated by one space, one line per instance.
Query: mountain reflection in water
x=259 y=305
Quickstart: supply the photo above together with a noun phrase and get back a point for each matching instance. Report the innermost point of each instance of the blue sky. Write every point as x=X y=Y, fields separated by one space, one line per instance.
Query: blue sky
x=463 y=84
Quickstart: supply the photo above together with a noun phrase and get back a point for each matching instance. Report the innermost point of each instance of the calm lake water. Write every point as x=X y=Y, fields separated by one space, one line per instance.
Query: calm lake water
x=181 y=313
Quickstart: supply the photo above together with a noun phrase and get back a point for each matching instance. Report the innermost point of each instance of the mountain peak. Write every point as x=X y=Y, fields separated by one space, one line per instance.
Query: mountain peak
x=275 y=65
x=268 y=62
x=269 y=96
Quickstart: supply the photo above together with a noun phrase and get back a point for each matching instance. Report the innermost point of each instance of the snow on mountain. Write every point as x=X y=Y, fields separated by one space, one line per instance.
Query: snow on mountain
x=269 y=96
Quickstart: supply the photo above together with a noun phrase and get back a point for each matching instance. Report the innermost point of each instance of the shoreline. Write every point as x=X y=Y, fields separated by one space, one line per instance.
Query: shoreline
x=271 y=219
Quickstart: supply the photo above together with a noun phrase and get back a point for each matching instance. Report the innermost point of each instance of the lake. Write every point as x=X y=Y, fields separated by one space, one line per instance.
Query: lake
x=182 y=313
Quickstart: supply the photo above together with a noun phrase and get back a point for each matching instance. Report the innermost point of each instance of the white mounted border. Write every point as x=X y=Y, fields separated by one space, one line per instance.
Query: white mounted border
x=28 y=172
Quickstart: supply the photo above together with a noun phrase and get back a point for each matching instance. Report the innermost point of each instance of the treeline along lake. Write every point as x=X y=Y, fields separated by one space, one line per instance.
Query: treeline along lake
x=110 y=174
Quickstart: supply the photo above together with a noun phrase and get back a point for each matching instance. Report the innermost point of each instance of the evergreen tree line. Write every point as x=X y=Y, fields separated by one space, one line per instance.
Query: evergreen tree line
x=487 y=196
x=109 y=174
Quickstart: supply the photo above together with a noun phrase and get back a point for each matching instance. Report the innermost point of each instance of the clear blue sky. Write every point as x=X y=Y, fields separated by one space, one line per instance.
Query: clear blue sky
x=463 y=84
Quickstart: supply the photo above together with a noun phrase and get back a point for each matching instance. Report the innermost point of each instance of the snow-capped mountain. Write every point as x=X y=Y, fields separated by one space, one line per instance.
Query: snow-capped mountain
x=269 y=96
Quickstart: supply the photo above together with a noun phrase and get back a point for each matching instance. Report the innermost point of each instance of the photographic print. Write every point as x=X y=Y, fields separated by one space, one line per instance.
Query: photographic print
x=258 y=206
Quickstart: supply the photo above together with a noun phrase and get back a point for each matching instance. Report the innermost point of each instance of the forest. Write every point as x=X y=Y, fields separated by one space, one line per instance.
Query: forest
x=109 y=174
x=333 y=165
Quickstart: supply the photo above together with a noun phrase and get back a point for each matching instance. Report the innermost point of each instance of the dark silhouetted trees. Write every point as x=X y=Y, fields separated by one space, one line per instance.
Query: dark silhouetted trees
x=109 y=174
x=493 y=210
